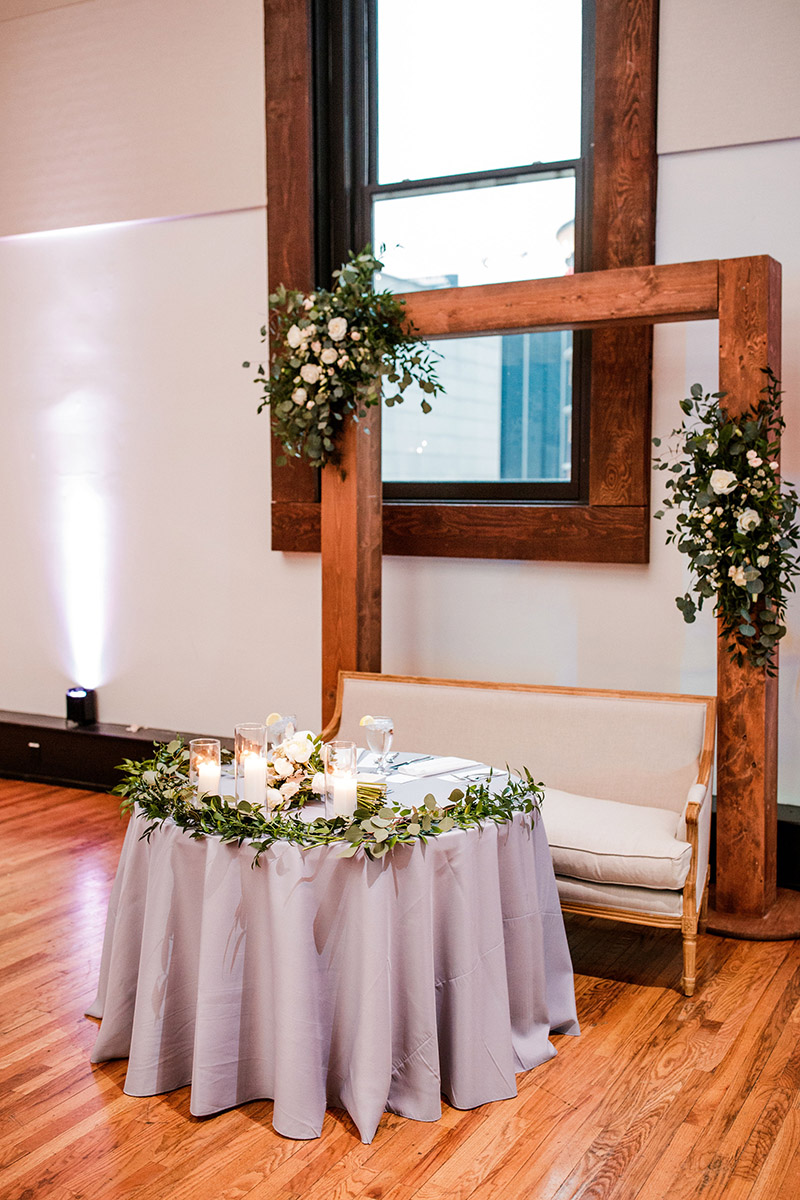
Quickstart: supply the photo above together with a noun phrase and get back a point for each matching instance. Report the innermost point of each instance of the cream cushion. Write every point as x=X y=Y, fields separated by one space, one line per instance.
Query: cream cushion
x=608 y=842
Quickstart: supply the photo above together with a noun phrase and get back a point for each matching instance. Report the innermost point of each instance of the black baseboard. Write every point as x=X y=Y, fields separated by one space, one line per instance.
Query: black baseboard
x=50 y=750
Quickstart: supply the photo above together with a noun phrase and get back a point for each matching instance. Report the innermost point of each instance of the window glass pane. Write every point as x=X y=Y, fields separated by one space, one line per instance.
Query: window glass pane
x=507 y=414
x=468 y=86
x=482 y=235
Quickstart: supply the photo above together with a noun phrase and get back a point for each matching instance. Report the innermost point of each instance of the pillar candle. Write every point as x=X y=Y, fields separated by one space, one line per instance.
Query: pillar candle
x=255 y=779
x=344 y=795
x=208 y=775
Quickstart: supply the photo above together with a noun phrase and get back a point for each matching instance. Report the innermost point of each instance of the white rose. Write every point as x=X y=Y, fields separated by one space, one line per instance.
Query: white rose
x=310 y=404
x=289 y=789
x=274 y=797
x=737 y=575
x=337 y=328
x=355 y=335
x=300 y=749
x=310 y=372
x=344 y=360
x=748 y=520
x=329 y=355
x=308 y=303
x=294 y=337
x=283 y=767
x=722 y=482
x=773 y=466
x=316 y=347
x=318 y=784
x=763 y=560
x=299 y=395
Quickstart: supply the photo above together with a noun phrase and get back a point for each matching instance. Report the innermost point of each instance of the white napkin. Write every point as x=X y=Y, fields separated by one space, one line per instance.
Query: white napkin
x=436 y=766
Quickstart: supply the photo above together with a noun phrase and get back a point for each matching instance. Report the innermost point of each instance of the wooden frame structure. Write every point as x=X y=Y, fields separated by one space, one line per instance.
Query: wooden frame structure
x=744 y=295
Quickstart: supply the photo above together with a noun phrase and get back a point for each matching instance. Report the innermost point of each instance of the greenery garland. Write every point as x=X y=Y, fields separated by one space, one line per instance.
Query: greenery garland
x=159 y=788
x=331 y=352
x=735 y=521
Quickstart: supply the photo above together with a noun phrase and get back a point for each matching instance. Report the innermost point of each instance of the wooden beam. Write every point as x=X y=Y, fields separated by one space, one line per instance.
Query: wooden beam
x=626 y=296
x=290 y=200
x=623 y=229
x=351 y=543
x=548 y=533
x=747 y=746
x=544 y=532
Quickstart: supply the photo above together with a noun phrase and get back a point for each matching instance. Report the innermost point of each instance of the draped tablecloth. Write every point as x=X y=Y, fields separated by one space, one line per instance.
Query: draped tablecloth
x=318 y=980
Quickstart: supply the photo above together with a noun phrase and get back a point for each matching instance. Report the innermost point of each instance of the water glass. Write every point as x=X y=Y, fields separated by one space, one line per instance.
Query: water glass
x=379 y=739
x=280 y=730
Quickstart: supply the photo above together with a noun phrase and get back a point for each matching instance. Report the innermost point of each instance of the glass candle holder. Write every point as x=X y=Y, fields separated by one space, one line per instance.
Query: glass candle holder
x=340 y=779
x=250 y=763
x=205 y=766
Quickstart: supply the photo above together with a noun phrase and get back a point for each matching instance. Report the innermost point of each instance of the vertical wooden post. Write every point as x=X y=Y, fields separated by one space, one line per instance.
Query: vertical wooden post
x=352 y=548
x=747 y=748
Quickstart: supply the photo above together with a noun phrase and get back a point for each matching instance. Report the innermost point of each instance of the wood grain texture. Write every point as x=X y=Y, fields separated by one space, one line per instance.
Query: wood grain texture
x=575 y=533
x=747 y=749
x=623 y=235
x=627 y=295
x=290 y=197
x=351 y=540
x=548 y=533
x=659 y=1097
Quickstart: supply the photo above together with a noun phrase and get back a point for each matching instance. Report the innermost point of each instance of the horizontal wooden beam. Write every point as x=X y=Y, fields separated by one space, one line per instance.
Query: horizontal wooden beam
x=590 y=300
x=548 y=533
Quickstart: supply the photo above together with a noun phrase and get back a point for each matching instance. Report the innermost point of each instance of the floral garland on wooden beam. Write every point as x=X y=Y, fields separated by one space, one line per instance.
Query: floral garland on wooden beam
x=332 y=353
x=159 y=789
x=735 y=520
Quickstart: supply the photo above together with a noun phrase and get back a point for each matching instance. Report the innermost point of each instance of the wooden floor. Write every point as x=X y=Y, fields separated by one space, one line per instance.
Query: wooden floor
x=661 y=1098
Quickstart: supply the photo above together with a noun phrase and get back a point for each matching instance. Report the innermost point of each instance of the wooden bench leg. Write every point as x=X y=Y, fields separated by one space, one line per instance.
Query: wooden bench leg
x=689 y=964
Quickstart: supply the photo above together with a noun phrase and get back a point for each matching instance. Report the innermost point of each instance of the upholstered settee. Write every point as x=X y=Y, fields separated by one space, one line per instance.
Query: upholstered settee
x=627 y=780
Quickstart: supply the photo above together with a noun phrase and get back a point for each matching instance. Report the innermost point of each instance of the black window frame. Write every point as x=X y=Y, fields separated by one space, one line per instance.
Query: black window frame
x=345 y=151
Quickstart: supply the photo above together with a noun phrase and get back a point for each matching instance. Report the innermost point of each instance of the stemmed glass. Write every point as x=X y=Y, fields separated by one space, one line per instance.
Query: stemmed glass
x=379 y=740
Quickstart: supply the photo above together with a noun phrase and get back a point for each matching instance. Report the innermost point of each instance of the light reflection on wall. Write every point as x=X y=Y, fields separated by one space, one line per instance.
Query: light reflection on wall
x=75 y=444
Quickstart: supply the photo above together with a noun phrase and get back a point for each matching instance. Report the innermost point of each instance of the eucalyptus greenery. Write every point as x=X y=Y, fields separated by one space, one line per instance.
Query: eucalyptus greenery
x=735 y=520
x=159 y=789
x=332 y=353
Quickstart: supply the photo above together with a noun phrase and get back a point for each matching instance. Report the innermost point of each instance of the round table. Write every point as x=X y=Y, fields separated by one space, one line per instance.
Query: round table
x=317 y=980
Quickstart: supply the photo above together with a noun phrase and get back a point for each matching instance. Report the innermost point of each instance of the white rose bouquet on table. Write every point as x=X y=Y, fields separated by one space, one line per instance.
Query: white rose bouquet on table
x=295 y=771
x=735 y=520
x=332 y=352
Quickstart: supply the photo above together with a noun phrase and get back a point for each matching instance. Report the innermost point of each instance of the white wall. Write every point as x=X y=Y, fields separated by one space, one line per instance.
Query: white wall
x=123 y=398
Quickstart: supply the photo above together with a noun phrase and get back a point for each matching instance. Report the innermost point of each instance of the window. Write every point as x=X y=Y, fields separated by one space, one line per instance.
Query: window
x=600 y=512
x=463 y=153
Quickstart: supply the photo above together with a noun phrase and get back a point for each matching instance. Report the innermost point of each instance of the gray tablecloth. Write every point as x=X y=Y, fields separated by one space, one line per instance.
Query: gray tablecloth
x=317 y=980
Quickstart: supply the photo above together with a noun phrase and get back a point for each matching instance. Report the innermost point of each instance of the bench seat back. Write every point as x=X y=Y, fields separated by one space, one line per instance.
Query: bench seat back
x=633 y=747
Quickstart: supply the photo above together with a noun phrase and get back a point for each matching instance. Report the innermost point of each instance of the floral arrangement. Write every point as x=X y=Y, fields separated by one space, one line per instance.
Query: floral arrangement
x=159 y=789
x=295 y=771
x=332 y=353
x=735 y=521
